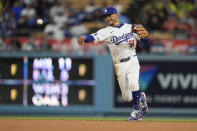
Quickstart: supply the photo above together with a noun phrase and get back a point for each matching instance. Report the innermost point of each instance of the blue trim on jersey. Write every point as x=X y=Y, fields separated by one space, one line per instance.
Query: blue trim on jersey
x=88 y=38
x=145 y=40
x=121 y=24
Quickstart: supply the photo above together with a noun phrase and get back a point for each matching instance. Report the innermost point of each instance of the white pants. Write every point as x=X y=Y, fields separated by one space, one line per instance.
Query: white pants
x=128 y=77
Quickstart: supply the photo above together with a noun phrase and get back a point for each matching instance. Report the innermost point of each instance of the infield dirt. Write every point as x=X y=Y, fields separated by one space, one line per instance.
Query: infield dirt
x=87 y=125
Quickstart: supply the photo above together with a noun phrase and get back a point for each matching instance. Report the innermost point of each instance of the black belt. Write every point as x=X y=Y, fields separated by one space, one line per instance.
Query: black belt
x=125 y=59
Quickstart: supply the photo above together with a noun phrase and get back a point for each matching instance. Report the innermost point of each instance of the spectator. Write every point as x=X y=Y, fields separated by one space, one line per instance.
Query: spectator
x=78 y=29
x=96 y=16
x=49 y=3
x=118 y=6
x=171 y=7
x=193 y=31
x=154 y=4
x=45 y=45
x=54 y=31
x=73 y=19
x=192 y=48
x=183 y=6
x=41 y=8
x=17 y=9
x=81 y=14
x=22 y=23
x=188 y=19
x=153 y=20
x=157 y=47
x=2 y=44
x=66 y=30
x=162 y=15
x=14 y=44
x=60 y=19
x=91 y=7
x=8 y=25
x=29 y=45
x=171 y=23
x=177 y=18
x=154 y=23
x=144 y=19
x=29 y=11
x=183 y=27
x=124 y=19
x=28 y=2
x=57 y=8
x=3 y=6
x=69 y=8
x=195 y=9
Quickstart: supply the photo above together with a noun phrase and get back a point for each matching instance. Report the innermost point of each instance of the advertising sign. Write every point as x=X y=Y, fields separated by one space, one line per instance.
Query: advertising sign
x=167 y=84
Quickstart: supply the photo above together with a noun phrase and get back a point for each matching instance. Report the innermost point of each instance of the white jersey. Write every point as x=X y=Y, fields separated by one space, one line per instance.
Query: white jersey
x=119 y=40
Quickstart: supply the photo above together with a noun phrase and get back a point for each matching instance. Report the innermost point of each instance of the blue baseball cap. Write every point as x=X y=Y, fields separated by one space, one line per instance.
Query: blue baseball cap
x=109 y=11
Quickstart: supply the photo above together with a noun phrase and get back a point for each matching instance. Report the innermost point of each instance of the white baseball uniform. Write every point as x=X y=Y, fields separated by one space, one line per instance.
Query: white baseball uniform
x=122 y=43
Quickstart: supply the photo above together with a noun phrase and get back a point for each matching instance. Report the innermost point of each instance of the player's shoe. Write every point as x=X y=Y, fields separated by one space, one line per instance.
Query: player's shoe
x=143 y=103
x=135 y=116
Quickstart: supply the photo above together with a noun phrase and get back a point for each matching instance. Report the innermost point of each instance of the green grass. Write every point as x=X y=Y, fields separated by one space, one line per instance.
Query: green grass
x=98 y=118
x=61 y=118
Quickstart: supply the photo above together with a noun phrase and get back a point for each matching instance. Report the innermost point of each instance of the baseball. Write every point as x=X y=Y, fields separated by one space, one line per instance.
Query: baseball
x=39 y=21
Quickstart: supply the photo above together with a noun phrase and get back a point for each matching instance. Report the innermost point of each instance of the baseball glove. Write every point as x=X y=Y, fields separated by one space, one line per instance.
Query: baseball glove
x=141 y=31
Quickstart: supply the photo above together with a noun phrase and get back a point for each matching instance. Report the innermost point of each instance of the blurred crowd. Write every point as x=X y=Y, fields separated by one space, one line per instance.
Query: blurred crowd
x=54 y=24
x=176 y=17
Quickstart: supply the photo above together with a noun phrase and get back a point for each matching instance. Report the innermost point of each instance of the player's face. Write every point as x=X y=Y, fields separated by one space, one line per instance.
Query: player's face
x=111 y=19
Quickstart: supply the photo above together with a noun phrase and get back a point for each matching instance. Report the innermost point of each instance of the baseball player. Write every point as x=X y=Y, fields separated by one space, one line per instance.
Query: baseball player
x=121 y=39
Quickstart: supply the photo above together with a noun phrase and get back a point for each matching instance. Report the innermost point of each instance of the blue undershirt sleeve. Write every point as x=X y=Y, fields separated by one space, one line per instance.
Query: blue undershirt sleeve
x=145 y=40
x=88 y=38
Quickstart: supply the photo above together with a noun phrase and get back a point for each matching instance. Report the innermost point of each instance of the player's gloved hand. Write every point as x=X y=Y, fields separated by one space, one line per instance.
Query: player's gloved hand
x=81 y=40
x=141 y=31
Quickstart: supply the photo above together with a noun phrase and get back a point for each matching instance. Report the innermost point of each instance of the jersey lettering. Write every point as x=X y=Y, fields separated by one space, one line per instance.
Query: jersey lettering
x=119 y=39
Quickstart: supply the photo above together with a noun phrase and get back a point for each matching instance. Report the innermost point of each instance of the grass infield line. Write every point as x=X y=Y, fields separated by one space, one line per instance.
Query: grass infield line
x=98 y=118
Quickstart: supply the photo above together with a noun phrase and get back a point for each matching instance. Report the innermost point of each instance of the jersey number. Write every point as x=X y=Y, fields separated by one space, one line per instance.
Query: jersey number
x=131 y=43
